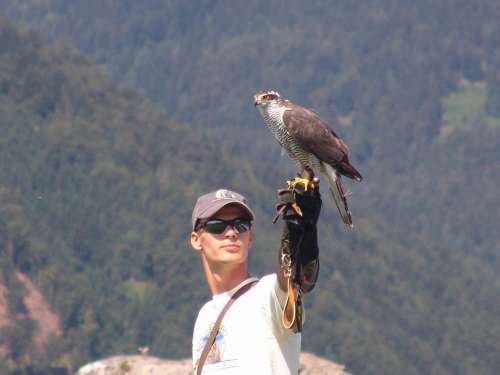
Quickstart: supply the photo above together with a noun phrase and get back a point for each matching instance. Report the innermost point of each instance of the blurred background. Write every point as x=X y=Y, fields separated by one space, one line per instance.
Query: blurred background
x=116 y=114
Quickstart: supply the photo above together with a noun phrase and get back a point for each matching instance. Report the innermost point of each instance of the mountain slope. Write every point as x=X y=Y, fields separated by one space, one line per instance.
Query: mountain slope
x=387 y=67
x=97 y=187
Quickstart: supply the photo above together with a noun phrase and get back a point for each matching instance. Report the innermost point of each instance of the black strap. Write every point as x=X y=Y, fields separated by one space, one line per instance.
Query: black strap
x=215 y=329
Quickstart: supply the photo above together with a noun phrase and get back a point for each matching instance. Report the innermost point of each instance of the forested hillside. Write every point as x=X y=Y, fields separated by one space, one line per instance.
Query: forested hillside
x=96 y=195
x=386 y=67
x=97 y=183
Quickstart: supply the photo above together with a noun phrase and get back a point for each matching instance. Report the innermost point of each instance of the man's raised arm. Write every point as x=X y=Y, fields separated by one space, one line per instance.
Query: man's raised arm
x=299 y=205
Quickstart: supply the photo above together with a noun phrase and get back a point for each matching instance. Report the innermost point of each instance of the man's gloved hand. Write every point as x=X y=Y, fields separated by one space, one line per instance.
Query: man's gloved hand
x=300 y=203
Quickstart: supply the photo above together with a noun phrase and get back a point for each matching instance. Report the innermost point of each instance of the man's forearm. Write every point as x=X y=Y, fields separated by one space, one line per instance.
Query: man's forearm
x=286 y=254
x=298 y=256
x=309 y=259
x=304 y=259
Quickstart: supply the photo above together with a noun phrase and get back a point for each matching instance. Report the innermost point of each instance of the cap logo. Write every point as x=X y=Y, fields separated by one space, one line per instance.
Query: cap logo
x=223 y=193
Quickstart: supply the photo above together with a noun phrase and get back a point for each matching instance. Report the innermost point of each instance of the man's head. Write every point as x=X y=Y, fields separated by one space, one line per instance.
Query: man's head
x=208 y=204
x=221 y=227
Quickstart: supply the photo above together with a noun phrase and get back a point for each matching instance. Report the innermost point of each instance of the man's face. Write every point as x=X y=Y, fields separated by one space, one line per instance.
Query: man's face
x=229 y=247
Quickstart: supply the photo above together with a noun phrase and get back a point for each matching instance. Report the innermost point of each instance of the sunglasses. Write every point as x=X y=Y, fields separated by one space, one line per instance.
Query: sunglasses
x=218 y=226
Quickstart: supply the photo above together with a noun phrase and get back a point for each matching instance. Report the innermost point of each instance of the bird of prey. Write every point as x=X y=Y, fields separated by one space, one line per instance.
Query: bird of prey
x=310 y=142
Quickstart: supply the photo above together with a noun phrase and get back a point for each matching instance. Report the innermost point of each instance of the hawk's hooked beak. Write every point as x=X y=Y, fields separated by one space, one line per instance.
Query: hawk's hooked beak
x=256 y=101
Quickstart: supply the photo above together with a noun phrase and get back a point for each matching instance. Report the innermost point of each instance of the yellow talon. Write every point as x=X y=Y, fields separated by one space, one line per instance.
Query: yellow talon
x=300 y=184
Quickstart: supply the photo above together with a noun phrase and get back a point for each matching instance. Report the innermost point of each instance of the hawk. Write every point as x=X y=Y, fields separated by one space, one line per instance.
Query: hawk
x=310 y=142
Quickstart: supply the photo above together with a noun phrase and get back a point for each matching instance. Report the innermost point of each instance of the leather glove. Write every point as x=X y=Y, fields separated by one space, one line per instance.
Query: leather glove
x=300 y=205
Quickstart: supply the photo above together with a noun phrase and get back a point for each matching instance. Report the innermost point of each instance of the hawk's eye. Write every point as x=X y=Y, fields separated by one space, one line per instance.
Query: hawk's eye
x=269 y=97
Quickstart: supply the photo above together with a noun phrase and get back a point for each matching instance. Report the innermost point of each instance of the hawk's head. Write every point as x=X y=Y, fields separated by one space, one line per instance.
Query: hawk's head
x=265 y=97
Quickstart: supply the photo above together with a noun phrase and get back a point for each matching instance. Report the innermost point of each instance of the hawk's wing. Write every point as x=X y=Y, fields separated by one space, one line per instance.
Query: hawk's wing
x=314 y=135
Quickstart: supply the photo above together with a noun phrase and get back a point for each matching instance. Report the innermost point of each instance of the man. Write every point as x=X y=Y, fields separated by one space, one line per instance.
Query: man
x=260 y=333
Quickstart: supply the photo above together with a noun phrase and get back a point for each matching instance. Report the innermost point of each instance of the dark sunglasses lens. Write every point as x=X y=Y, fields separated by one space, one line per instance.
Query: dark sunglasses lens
x=215 y=226
x=219 y=226
x=242 y=225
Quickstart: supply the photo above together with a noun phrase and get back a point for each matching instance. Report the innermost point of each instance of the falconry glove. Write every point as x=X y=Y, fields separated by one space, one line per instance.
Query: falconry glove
x=299 y=205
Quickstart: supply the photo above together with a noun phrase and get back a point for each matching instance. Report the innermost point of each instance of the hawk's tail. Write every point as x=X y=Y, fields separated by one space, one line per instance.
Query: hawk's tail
x=338 y=193
x=348 y=170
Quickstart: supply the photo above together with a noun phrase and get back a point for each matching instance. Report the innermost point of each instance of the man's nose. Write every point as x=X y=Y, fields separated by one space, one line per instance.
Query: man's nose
x=231 y=231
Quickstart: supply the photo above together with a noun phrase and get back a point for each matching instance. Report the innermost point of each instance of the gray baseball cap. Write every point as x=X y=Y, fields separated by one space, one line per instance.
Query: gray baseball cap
x=208 y=204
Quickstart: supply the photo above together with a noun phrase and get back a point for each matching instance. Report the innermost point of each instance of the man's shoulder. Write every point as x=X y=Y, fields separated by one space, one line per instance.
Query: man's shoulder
x=206 y=310
x=267 y=280
x=265 y=284
x=268 y=285
x=209 y=305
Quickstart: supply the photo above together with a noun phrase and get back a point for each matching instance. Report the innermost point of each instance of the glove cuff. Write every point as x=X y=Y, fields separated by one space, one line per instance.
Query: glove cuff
x=299 y=255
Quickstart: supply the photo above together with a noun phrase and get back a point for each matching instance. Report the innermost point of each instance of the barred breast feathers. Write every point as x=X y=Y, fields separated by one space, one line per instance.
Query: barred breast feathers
x=273 y=117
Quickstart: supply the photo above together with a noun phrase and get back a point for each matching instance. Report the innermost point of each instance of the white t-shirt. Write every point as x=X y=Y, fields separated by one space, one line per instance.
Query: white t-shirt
x=251 y=338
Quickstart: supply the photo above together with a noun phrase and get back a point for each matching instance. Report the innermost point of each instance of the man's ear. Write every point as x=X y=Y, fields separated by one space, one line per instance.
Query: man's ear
x=195 y=241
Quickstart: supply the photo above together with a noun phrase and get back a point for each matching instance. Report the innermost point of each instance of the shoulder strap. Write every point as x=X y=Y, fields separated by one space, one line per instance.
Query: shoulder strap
x=215 y=329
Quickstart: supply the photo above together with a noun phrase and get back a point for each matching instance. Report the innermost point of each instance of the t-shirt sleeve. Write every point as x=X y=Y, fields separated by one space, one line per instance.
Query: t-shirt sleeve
x=199 y=339
x=280 y=293
x=277 y=297
x=195 y=342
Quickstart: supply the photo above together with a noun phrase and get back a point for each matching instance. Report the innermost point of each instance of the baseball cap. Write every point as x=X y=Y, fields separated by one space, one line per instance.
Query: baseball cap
x=208 y=204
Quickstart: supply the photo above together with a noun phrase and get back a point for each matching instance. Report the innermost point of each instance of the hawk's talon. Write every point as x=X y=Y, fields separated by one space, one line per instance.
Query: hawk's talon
x=288 y=209
x=301 y=185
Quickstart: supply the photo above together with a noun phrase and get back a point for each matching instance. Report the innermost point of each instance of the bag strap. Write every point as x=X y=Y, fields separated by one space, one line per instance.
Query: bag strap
x=215 y=329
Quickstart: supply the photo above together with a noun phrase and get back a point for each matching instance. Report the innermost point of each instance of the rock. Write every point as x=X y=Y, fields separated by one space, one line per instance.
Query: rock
x=314 y=365
x=137 y=365
x=146 y=365
x=48 y=322
x=38 y=309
